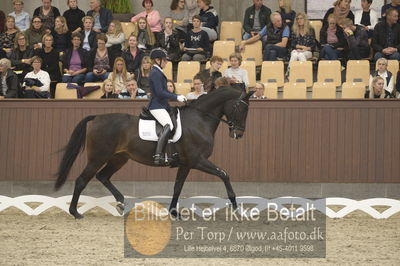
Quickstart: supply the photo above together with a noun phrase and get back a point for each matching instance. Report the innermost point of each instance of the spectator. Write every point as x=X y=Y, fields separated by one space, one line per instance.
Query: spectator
x=277 y=33
x=128 y=90
x=179 y=16
x=74 y=16
x=377 y=90
x=171 y=86
x=132 y=55
x=7 y=38
x=47 y=13
x=75 y=62
x=35 y=33
x=22 y=19
x=192 y=10
x=115 y=38
x=21 y=56
x=237 y=76
x=332 y=40
x=88 y=35
x=197 y=43
x=100 y=60
x=33 y=91
x=285 y=9
x=357 y=39
x=382 y=72
x=340 y=9
x=119 y=76
x=135 y=91
x=198 y=89
x=61 y=35
x=145 y=37
x=209 y=76
x=168 y=39
x=9 y=85
x=366 y=17
x=256 y=17
x=386 y=37
x=221 y=82
x=302 y=39
x=259 y=94
x=102 y=17
x=108 y=90
x=153 y=16
x=143 y=75
x=395 y=4
x=209 y=18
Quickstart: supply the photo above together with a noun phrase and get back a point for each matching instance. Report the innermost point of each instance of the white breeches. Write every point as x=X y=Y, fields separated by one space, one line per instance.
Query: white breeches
x=162 y=117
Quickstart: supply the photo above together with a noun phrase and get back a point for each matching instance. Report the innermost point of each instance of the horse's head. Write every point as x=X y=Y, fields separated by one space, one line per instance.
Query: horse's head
x=236 y=113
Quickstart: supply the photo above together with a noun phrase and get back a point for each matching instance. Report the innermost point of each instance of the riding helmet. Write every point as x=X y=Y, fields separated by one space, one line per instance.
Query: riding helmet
x=158 y=53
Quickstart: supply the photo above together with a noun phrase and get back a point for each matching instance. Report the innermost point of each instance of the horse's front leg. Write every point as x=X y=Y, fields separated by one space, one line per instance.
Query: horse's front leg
x=181 y=175
x=208 y=167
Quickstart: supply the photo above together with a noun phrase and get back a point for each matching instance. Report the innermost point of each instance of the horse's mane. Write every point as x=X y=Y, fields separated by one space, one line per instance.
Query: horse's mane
x=220 y=94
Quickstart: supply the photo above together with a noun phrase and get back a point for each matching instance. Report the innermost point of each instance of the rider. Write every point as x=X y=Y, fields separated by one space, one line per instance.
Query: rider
x=160 y=95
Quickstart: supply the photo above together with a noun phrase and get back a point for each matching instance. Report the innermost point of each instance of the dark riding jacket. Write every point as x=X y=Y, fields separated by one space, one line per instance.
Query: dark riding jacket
x=159 y=92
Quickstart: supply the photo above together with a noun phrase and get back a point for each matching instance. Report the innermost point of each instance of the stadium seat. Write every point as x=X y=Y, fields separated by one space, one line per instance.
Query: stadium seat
x=94 y=94
x=353 y=90
x=187 y=70
x=324 y=90
x=183 y=88
x=250 y=66
x=168 y=70
x=330 y=71
x=63 y=93
x=127 y=28
x=224 y=49
x=231 y=31
x=222 y=69
x=357 y=71
x=271 y=90
x=273 y=71
x=253 y=52
x=295 y=91
x=301 y=72
x=317 y=25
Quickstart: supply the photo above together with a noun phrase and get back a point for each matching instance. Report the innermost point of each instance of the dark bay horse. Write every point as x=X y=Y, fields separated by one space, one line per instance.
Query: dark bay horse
x=113 y=139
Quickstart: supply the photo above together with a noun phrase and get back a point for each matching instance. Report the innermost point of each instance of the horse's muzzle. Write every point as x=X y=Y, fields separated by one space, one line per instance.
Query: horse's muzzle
x=236 y=133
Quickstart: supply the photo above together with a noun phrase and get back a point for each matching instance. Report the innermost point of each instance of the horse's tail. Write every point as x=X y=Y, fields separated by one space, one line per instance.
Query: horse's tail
x=75 y=145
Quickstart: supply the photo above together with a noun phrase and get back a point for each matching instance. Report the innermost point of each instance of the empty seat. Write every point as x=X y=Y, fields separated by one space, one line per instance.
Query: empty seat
x=301 y=72
x=224 y=49
x=253 y=52
x=250 y=66
x=222 y=69
x=317 y=25
x=271 y=90
x=273 y=71
x=94 y=94
x=231 y=31
x=330 y=71
x=295 y=91
x=127 y=28
x=187 y=70
x=63 y=93
x=168 y=70
x=183 y=88
x=357 y=71
x=353 y=90
x=324 y=90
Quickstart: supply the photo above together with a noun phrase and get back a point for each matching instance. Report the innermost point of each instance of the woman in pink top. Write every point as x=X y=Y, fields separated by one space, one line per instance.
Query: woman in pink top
x=153 y=16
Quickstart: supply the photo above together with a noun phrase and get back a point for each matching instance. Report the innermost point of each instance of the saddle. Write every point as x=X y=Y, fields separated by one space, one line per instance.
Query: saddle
x=173 y=113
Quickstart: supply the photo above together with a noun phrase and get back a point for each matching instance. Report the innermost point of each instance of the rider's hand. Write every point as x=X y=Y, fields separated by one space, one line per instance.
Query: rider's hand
x=181 y=98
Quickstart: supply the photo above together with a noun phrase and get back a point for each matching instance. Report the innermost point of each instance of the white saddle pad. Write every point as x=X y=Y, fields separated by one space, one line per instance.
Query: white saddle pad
x=147 y=129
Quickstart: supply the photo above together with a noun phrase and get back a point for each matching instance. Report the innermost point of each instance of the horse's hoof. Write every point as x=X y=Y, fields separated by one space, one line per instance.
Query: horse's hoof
x=120 y=208
x=176 y=215
x=77 y=216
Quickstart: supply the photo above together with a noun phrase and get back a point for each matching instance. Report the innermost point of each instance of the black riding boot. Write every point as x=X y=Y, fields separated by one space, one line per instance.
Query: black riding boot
x=162 y=141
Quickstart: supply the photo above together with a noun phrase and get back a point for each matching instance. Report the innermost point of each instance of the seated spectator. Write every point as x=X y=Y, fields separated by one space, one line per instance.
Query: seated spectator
x=386 y=37
x=357 y=39
x=237 y=76
x=47 y=13
x=115 y=38
x=198 y=89
x=22 y=18
x=145 y=37
x=61 y=35
x=143 y=75
x=102 y=17
x=377 y=90
x=33 y=91
x=209 y=76
x=171 y=86
x=108 y=90
x=221 y=82
x=75 y=62
x=7 y=38
x=209 y=19
x=277 y=34
x=168 y=39
x=256 y=17
x=302 y=39
x=35 y=33
x=119 y=76
x=285 y=9
x=9 y=85
x=132 y=55
x=88 y=35
x=332 y=40
x=395 y=4
x=192 y=10
x=197 y=44
x=100 y=61
x=179 y=16
x=382 y=72
x=340 y=9
x=74 y=16
x=21 y=56
x=134 y=90
x=259 y=94
x=366 y=17
x=153 y=16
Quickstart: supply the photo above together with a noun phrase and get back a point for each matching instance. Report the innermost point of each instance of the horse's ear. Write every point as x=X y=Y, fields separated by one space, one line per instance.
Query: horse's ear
x=247 y=96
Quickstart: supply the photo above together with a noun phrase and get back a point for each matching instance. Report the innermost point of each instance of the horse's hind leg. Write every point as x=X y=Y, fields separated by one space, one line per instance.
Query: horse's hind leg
x=104 y=176
x=179 y=181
